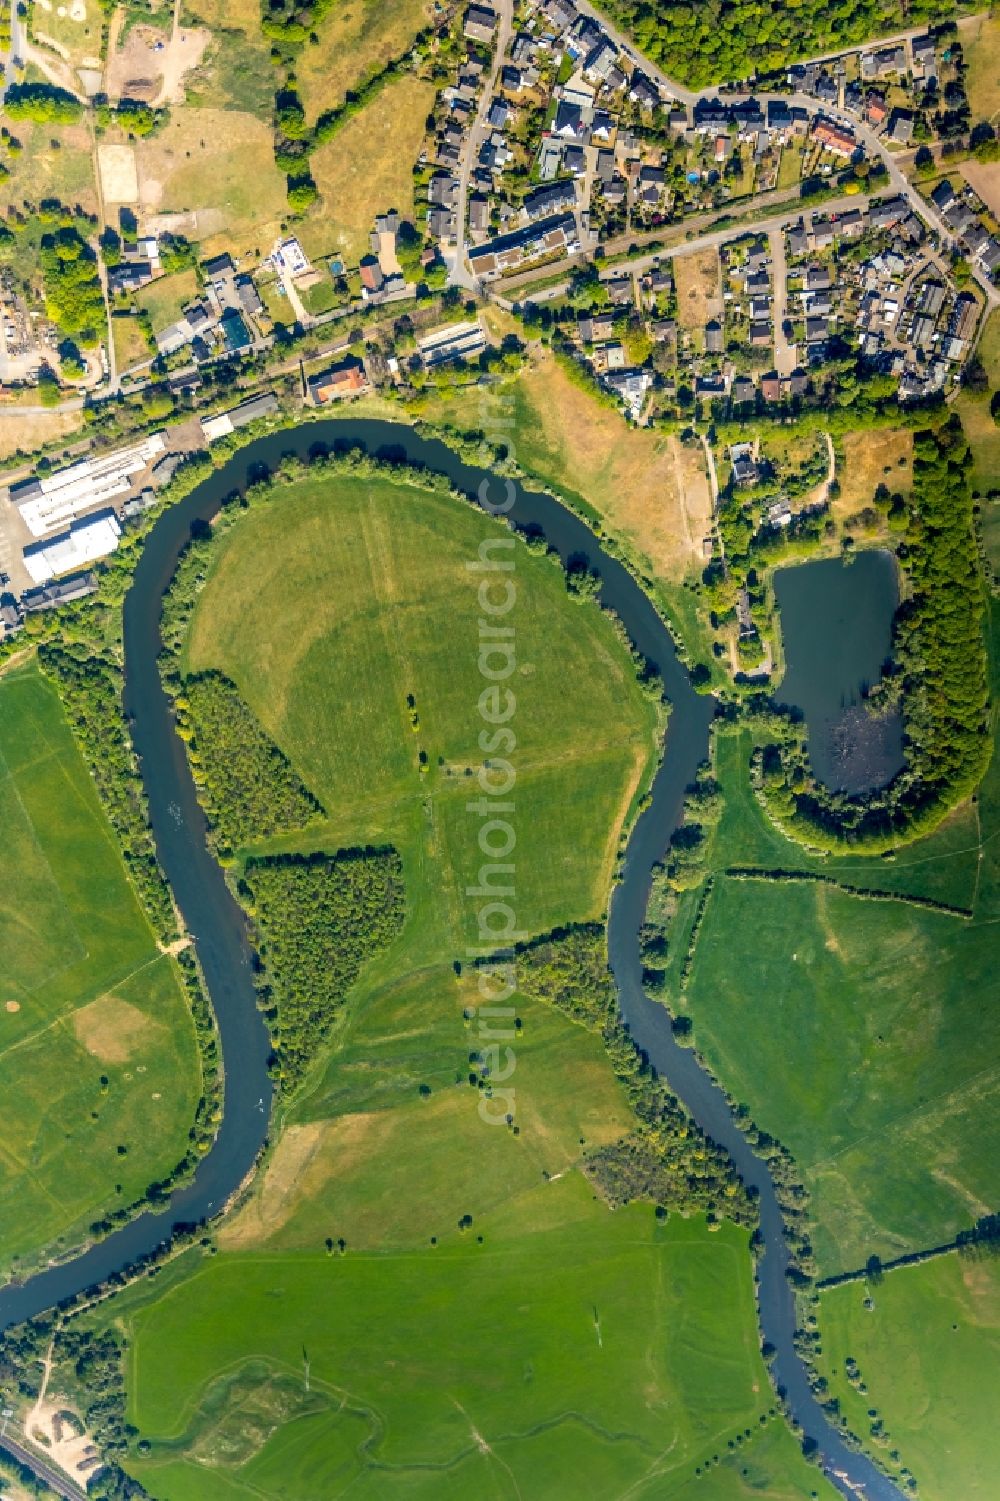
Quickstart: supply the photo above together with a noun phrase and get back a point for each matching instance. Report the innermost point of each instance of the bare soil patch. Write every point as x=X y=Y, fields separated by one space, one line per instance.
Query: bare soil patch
x=112 y=1029
x=119 y=178
x=699 y=288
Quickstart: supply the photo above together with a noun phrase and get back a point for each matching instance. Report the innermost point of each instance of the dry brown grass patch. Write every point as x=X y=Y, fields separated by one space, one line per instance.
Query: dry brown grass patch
x=358 y=39
x=871 y=459
x=111 y=1029
x=367 y=168
x=699 y=288
x=647 y=485
x=984 y=179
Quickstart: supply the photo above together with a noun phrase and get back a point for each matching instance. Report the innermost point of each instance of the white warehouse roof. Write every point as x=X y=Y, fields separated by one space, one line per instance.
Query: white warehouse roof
x=49 y=501
x=95 y=537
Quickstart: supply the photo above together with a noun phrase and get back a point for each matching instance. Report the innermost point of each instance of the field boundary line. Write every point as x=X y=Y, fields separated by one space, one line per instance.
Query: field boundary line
x=778 y=876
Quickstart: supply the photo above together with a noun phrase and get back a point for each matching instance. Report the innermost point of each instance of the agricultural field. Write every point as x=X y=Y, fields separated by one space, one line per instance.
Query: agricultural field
x=356 y=41
x=367 y=169
x=928 y=1353
x=98 y=1064
x=871 y=1003
x=215 y=168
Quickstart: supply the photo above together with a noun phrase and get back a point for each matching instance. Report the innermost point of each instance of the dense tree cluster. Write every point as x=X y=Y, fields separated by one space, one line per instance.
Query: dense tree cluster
x=734 y=39
x=247 y=785
x=42 y=102
x=319 y=919
x=73 y=296
x=90 y=689
x=941 y=665
x=668 y=1159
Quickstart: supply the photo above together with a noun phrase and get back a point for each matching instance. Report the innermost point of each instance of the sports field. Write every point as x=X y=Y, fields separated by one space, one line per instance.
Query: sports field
x=928 y=1352
x=97 y=1050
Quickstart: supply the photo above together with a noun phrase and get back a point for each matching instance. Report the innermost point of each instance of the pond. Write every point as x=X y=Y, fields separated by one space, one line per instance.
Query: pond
x=836 y=628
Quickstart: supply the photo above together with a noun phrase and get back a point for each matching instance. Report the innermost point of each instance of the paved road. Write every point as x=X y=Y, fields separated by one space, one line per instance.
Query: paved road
x=784 y=353
x=461 y=275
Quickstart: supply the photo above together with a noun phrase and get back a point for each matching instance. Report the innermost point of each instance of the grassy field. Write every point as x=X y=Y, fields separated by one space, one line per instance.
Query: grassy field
x=97 y=1050
x=367 y=169
x=980 y=38
x=646 y=488
x=217 y=166
x=699 y=288
x=357 y=40
x=384 y=606
x=164 y=298
x=64 y=171
x=26 y=431
x=928 y=1351
x=130 y=342
x=871 y=459
x=883 y=1013
x=595 y=1355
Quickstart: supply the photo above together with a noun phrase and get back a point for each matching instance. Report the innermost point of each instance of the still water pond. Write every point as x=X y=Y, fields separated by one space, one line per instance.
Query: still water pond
x=836 y=628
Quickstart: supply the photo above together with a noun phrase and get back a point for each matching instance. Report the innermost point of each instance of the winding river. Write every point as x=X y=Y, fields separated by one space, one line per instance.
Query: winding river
x=220 y=931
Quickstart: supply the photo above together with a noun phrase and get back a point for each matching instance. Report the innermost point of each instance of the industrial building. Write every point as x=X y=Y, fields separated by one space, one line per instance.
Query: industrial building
x=457 y=341
x=48 y=502
x=224 y=423
x=84 y=542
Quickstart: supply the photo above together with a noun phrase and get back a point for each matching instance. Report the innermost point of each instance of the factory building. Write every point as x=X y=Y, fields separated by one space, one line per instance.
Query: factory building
x=47 y=502
x=85 y=541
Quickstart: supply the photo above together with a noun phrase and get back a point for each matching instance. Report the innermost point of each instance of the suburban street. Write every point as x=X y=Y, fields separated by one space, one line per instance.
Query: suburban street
x=460 y=272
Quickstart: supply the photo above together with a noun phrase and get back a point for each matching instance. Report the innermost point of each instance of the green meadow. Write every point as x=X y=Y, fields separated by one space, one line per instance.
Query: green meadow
x=411 y=1302
x=603 y=1354
x=927 y=1351
x=343 y=599
x=884 y=1014
x=99 y=1071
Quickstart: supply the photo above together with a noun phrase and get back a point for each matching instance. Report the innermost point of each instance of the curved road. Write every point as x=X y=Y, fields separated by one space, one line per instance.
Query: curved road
x=220 y=932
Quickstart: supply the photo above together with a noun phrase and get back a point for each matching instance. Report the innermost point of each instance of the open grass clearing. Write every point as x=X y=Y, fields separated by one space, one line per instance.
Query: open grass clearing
x=402 y=1407
x=984 y=179
x=24 y=432
x=393 y=1112
x=73 y=30
x=367 y=169
x=357 y=39
x=928 y=1351
x=235 y=72
x=218 y=167
x=55 y=162
x=130 y=342
x=882 y=456
x=980 y=38
x=699 y=288
x=645 y=488
x=164 y=298
x=82 y=981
